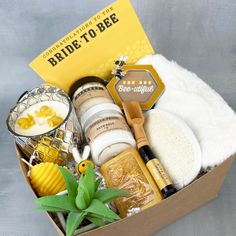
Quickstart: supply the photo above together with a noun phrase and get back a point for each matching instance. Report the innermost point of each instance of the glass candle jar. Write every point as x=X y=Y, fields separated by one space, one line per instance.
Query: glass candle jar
x=44 y=121
x=106 y=131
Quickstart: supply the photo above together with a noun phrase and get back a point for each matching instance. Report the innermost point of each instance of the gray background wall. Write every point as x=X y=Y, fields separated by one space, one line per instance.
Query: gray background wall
x=200 y=35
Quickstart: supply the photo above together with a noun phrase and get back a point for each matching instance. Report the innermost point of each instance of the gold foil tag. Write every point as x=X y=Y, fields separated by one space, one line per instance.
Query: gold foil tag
x=140 y=83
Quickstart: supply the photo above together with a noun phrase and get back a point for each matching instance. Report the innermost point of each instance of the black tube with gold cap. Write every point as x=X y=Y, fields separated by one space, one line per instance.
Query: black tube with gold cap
x=135 y=119
x=157 y=171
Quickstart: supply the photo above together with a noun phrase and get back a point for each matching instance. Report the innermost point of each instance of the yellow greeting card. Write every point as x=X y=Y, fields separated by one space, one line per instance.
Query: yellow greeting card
x=91 y=48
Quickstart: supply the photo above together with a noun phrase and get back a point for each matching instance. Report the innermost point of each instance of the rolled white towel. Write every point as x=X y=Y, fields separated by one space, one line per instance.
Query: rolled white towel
x=206 y=113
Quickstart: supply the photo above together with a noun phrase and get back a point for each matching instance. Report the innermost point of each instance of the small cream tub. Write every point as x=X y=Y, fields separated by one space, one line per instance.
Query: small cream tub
x=106 y=131
x=89 y=95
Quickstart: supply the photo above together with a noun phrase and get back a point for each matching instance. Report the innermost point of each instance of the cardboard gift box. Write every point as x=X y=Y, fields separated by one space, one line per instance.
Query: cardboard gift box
x=199 y=192
x=84 y=52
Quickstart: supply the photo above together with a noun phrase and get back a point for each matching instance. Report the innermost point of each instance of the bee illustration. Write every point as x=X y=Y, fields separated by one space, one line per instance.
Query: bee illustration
x=117 y=70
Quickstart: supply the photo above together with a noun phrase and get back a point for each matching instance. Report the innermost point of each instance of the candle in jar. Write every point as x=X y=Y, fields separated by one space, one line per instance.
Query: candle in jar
x=41 y=118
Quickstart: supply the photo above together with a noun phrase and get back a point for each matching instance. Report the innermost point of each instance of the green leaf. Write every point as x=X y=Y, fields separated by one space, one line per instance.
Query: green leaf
x=62 y=202
x=89 y=180
x=98 y=221
x=98 y=208
x=73 y=221
x=81 y=178
x=109 y=220
x=82 y=199
x=97 y=183
x=71 y=183
x=51 y=209
x=107 y=195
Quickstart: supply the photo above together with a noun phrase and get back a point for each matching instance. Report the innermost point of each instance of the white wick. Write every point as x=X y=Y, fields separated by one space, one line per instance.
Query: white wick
x=26 y=162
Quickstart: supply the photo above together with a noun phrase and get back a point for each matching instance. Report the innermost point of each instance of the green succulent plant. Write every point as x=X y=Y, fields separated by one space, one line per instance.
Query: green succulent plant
x=83 y=201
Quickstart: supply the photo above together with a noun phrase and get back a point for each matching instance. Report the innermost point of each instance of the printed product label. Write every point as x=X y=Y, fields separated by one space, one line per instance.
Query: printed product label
x=104 y=125
x=158 y=173
x=137 y=85
x=89 y=93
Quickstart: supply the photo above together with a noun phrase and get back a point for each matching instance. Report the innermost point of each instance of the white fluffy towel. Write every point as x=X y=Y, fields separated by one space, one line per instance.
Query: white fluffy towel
x=187 y=96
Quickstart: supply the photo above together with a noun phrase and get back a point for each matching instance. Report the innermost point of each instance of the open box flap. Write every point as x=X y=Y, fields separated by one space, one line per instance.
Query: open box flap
x=91 y=48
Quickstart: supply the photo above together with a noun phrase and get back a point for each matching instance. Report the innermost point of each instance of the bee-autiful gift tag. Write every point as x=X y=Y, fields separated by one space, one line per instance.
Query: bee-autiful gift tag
x=139 y=83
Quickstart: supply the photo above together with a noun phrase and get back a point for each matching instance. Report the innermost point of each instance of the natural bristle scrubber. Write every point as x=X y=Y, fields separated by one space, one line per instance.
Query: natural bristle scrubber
x=46 y=179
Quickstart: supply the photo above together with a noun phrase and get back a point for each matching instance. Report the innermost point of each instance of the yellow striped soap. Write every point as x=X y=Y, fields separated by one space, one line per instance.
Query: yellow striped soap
x=46 y=179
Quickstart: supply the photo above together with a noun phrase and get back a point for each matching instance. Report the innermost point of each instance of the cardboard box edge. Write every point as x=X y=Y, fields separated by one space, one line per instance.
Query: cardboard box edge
x=225 y=166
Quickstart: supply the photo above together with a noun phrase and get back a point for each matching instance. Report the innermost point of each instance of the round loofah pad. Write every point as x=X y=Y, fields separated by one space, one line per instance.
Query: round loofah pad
x=46 y=179
x=174 y=143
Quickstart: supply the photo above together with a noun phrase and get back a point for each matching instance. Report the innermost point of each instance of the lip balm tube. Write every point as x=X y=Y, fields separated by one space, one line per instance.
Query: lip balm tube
x=157 y=171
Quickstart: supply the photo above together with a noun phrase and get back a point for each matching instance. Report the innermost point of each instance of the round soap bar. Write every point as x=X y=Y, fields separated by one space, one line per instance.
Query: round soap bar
x=174 y=143
x=46 y=179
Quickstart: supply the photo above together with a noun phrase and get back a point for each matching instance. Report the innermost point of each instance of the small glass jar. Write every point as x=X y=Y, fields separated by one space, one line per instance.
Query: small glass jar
x=89 y=95
x=106 y=131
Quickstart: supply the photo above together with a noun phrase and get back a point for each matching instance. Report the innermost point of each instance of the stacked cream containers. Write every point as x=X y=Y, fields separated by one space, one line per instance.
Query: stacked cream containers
x=103 y=123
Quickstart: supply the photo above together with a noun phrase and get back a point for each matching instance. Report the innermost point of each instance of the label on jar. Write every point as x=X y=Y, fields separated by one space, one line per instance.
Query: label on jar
x=104 y=125
x=88 y=93
x=158 y=173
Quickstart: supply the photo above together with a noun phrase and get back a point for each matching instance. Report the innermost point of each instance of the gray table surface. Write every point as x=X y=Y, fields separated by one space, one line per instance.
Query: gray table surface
x=200 y=35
